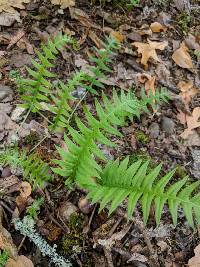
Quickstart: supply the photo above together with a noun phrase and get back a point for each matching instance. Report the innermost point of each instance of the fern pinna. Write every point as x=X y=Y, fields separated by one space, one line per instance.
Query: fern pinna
x=37 y=89
x=78 y=163
x=117 y=182
x=101 y=60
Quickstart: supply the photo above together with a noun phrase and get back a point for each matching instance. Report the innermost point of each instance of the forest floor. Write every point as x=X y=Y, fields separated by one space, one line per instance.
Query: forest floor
x=170 y=134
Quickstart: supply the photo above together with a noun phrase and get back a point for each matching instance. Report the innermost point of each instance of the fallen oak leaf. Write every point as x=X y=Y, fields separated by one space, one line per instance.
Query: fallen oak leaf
x=149 y=50
x=148 y=81
x=157 y=27
x=182 y=58
x=63 y=3
x=192 y=123
x=187 y=91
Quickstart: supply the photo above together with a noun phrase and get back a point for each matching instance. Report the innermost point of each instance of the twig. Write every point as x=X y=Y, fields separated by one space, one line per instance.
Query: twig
x=21 y=243
x=42 y=140
x=87 y=228
x=108 y=257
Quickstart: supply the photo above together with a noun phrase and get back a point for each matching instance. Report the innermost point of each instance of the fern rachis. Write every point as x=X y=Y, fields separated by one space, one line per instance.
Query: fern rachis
x=117 y=182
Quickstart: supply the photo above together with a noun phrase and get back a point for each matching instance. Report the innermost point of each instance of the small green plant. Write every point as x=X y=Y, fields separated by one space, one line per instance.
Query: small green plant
x=78 y=163
x=117 y=182
x=33 y=168
x=184 y=20
x=35 y=207
x=141 y=137
x=3 y=258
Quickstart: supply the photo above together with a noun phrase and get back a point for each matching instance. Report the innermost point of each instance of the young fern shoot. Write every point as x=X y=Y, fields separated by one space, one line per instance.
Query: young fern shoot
x=78 y=163
x=117 y=182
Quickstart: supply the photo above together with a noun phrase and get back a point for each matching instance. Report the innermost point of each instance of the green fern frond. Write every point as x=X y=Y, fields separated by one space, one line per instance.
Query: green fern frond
x=36 y=89
x=100 y=67
x=118 y=182
x=60 y=106
x=33 y=168
x=78 y=163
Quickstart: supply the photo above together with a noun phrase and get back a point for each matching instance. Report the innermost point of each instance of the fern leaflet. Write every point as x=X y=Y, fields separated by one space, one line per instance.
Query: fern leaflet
x=117 y=182
x=37 y=89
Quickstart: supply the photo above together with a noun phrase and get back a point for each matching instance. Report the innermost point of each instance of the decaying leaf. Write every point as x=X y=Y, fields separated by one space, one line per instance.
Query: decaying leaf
x=95 y=39
x=157 y=27
x=149 y=82
x=182 y=58
x=192 y=123
x=63 y=3
x=118 y=36
x=9 y=5
x=25 y=192
x=16 y=38
x=21 y=261
x=149 y=50
x=187 y=91
x=195 y=261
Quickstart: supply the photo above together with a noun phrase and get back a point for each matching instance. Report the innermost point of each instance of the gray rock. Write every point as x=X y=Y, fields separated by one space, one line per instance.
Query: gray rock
x=17 y=114
x=196 y=163
x=154 y=130
x=167 y=125
x=6 y=172
x=5 y=91
x=5 y=107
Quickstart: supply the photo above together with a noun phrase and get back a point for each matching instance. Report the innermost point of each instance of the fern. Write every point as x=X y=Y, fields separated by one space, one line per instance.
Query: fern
x=117 y=182
x=60 y=106
x=101 y=65
x=78 y=162
x=33 y=168
x=37 y=89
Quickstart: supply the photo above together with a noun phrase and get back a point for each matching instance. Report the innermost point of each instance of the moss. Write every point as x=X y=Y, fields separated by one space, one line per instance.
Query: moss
x=141 y=137
x=31 y=139
x=180 y=172
x=72 y=242
x=184 y=20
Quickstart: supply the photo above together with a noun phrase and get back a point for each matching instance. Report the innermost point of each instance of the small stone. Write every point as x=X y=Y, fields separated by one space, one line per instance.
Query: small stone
x=196 y=163
x=154 y=130
x=66 y=210
x=167 y=125
x=17 y=114
x=6 y=172
x=5 y=91
x=85 y=206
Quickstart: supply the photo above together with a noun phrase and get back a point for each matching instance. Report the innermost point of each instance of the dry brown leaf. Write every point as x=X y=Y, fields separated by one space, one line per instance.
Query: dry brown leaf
x=182 y=58
x=63 y=3
x=195 y=261
x=118 y=36
x=181 y=116
x=187 y=91
x=16 y=38
x=21 y=261
x=149 y=82
x=192 y=123
x=25 y=191
x=157 y=27
x=149 y=50
x=9 y=5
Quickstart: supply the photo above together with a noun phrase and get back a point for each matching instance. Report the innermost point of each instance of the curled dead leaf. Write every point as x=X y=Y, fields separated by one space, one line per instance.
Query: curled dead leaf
x=148 y=81
x=157 y=27
x=149 y=50
x=25 y=189
x=182 y=58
